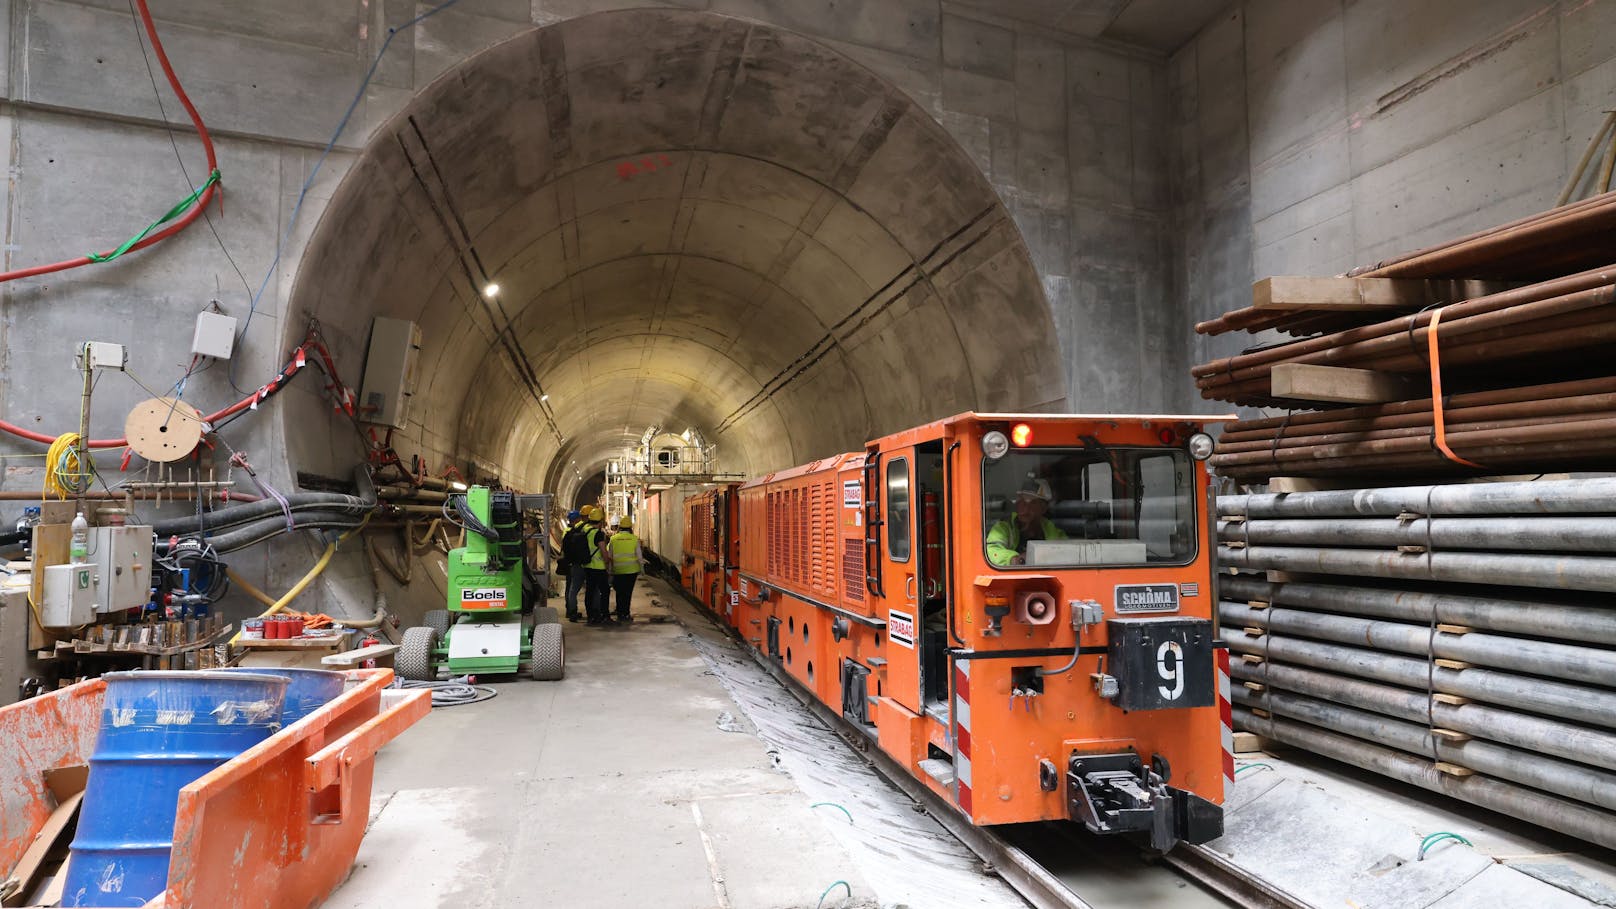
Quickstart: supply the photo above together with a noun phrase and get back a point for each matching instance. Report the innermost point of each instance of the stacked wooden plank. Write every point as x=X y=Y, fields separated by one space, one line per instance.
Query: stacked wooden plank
x=1525 y=316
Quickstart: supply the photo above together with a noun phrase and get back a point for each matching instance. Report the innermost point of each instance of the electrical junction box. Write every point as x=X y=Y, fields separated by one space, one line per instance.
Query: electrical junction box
x=123 y=558
x=105 y=355
x=70 y=595
x=384 y=398
x=215 y=335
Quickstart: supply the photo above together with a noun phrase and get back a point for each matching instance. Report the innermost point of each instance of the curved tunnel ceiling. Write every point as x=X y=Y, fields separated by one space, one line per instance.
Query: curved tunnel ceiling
x=693 y=220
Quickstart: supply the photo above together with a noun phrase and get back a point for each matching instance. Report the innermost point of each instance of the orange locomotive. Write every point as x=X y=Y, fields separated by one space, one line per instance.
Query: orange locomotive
x=1019 y=609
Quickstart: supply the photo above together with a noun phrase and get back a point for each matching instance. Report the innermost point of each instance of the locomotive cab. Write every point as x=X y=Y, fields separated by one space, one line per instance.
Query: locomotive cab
x=1049 y=610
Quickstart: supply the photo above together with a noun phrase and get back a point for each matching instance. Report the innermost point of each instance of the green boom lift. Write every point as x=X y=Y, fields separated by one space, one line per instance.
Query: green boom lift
x=489 y=626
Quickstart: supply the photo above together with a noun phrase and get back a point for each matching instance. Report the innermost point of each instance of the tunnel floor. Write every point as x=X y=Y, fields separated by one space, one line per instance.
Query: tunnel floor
x=668 y=769
x=638 y=781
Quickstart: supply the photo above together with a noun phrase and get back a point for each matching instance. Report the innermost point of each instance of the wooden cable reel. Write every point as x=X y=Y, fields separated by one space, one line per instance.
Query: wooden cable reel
x=163 y=430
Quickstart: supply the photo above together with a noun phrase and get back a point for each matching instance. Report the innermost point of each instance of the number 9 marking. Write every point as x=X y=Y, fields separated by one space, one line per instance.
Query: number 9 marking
x=1171 y=671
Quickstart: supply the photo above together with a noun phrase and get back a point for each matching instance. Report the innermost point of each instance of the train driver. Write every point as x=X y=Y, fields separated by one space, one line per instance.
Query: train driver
x=1007 y=540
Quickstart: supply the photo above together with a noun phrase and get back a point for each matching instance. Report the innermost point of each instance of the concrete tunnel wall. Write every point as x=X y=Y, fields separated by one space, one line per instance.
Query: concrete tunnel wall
x=1149 y=189
x=273 y=80
x=1308 y=138
x=693 y=221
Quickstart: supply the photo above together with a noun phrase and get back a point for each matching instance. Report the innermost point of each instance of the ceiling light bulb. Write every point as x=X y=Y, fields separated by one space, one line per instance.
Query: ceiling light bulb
x=491 y=290
x=544 y=397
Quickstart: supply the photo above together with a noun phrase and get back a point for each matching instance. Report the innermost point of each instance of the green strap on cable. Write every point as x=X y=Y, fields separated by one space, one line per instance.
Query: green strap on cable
x=173 y=213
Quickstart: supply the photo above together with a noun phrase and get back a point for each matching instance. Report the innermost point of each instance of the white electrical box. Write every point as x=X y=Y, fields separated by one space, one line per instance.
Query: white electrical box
x=105 y=355
x=215 y=335
x=70 y=595
x=122 y=557
x=389 y=372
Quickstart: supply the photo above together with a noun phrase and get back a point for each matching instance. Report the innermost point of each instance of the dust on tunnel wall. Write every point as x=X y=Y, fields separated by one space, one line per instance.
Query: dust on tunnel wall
x=1309 y=138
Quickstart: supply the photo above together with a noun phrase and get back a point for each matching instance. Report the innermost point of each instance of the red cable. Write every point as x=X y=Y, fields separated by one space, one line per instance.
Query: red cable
x=291 y=369
x=169 y=231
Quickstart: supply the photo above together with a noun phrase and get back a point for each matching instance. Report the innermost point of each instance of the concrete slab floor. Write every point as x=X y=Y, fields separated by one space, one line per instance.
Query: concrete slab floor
x=636 y=781
x=1333 y=834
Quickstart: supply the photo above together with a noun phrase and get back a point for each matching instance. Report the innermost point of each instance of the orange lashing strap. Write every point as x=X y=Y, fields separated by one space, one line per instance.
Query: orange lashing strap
x=1437 y=420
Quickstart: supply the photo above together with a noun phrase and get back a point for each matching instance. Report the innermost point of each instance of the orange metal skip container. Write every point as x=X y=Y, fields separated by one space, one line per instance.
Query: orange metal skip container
x=275 y=828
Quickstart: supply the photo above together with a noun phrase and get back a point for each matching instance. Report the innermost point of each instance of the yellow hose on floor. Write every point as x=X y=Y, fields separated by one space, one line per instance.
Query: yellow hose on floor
x=303 y=584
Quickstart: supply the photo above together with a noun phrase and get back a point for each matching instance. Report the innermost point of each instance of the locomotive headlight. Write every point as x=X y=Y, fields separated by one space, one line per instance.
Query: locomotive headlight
x=1200 y=446
x=995 y=444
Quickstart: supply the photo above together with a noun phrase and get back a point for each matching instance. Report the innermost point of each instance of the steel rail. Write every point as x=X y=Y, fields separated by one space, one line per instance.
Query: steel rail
x=1033 y=881
x=1216 y=873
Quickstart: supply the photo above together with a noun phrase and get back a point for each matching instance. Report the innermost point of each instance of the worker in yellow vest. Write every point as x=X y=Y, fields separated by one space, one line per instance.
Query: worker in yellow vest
x=627 y=561
x=597 y=592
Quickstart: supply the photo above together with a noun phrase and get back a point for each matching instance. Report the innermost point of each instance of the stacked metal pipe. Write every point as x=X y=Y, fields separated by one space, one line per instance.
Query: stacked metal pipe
x=1458 y=637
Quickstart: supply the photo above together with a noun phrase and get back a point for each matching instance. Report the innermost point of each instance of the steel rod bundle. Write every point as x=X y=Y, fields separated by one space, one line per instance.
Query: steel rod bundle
x=1512 y=727
x=1570 y=662
x=1559 y=700
x=1538 y=616
x=1555 y=572
x=1565 y=815
x=1568 y=534
x=1555 y=333
x=1458 y=637
x=1557 y=241
x=1574 y=322
x=1390 y=642
x=1571 y=780
x=1589 y=496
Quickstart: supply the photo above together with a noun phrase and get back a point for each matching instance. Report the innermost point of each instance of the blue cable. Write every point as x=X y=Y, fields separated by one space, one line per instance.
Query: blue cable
x=822 y=896
x=342 y=126
x=836 y=806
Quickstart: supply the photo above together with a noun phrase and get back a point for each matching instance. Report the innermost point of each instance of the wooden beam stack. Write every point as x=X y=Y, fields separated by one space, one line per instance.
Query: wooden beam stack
x=1525 y=316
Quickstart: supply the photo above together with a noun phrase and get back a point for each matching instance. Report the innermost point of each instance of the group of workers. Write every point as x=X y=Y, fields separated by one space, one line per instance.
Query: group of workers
x=598 y=563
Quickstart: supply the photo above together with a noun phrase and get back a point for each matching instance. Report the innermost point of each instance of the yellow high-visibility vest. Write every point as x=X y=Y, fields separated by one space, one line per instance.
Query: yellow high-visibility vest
x=625 y=549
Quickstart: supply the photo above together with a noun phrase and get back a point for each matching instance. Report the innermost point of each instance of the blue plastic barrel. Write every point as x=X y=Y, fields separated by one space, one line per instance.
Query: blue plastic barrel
x=310 y=690
x=160 y=731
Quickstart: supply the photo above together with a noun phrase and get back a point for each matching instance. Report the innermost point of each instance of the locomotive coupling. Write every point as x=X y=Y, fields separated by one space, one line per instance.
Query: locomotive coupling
x=1117 y=793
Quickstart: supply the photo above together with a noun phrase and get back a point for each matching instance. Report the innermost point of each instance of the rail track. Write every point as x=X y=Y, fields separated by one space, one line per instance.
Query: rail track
x=1039 y=882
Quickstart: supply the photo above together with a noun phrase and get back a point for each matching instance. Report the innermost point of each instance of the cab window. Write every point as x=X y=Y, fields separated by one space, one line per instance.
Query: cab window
x=898 y=509
x=1072 y=507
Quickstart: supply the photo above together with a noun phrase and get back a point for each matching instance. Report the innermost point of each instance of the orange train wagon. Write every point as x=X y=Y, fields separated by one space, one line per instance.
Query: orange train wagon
x=711 y=551
x=1018 y=608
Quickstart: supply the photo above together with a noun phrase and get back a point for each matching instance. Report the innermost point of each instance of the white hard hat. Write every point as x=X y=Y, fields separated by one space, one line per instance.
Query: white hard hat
x=1036 y=489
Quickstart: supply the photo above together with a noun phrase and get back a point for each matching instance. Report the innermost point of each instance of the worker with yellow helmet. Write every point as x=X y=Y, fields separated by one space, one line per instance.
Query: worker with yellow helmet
x=627 y=561
x=597 y=592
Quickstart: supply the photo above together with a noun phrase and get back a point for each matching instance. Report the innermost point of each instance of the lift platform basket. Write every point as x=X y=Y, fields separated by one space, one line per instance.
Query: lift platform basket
x=277 y=826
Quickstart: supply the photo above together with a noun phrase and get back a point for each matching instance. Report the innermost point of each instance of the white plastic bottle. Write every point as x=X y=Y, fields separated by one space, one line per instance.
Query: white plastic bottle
x=80 y=548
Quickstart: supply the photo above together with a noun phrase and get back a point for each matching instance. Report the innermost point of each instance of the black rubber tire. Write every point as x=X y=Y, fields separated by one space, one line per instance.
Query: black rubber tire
x=546 y=615
x=414 y=658
x=438 y=620
x=549 y=653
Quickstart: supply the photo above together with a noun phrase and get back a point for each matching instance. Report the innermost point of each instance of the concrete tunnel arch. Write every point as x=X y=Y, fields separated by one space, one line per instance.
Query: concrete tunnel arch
x=693 y=220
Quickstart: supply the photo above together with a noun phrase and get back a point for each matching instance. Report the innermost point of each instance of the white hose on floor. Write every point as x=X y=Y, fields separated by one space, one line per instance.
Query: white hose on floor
x=450 y=693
